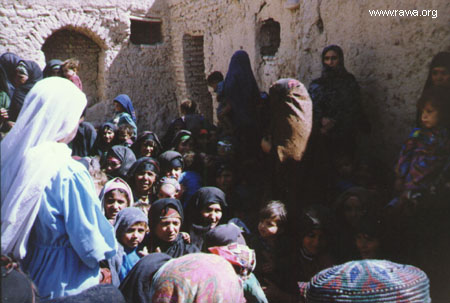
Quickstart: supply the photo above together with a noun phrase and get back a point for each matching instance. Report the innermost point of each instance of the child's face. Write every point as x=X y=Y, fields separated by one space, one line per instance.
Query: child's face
x=168 y=229
x=175 y=173
x=185 y=147
x=112 y=164
x=123 y=136
x=440 y=76
x=118 y=107
x=144 y=181
x=313 y=242
x=114 y=202
x=108 y=135
x=430 y=116
x=353 y=210
x=367 y=246
x=134 y=235
x=211 y=214
x=269 y=228
x=147 y=148
x=67 y=72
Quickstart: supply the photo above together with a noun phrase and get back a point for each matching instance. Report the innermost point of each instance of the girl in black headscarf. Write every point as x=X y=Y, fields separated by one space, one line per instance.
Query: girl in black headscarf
x=241 y=94
x=119 y=160
x=142 y=176
x=204 y=211
x=171 y=164
x=438 y=76
x=147 y=145
x=165 y=219
x=104 y=141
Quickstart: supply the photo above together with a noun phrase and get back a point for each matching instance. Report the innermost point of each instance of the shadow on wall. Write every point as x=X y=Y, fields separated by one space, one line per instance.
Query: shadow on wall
x=67 y=43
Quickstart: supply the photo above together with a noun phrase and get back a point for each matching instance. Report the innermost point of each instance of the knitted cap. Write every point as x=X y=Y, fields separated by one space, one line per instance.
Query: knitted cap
x=368 y=281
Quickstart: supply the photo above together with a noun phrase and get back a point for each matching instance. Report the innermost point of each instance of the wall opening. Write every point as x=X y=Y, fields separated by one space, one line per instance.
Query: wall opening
x=269 y=37
x=65 y=44
x=146 y=31
x=194 y=74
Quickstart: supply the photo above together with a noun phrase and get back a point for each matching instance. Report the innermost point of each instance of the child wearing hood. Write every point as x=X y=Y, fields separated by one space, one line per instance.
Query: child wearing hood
x=124 y=113
x=131 y=227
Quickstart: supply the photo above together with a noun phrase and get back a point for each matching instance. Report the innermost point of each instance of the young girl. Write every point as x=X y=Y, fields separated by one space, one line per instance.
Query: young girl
x=426 y=150
x=131 y=227
x=172 y=164
x=104 y=141
x=115 y=196
x=269 y=241
x=142 y=177
x=124 y=112
x=119 y=160
x=69 y=69
x=147 y=145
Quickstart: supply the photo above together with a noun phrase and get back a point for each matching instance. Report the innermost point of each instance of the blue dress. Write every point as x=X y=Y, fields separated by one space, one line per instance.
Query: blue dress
x=70 y=235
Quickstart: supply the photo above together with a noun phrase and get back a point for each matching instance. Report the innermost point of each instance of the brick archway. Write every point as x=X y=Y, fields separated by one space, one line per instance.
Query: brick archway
x=64 y=44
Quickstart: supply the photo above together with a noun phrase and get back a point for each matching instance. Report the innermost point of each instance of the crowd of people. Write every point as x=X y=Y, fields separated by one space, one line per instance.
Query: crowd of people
x=272 y=204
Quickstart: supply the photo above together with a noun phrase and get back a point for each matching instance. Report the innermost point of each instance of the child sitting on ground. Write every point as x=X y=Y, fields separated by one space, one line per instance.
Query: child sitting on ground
x=425 y=151
x=70 y=68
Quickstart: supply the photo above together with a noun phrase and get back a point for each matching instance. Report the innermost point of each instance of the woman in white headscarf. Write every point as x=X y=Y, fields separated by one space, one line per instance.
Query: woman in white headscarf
x=50 y=214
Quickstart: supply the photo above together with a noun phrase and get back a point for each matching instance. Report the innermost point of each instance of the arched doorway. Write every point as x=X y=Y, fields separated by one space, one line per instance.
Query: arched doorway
x=64 y=44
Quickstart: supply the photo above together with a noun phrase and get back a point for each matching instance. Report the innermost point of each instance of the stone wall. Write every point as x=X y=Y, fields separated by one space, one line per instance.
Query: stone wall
x=143 y=72
x=389 y=56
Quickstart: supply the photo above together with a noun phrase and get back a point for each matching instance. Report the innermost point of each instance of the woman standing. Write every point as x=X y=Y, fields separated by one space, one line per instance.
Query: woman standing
x=51 y=216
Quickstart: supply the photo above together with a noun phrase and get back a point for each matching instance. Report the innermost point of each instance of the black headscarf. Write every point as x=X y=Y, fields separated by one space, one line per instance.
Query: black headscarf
x=147 y=136
x=50 y=65
x=136 y=285
x=169 y=160
x=178 y=137
x=34 y=75
x=241 y=90
x=100 y=147
x=176 y=248
x=202 y=197
x=126 y=156
x=441 y=59
x=222 y=235
x=142 y=164
x=339 y=70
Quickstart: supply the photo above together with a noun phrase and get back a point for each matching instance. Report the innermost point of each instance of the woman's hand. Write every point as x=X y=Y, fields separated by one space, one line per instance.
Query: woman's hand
x=186 y=237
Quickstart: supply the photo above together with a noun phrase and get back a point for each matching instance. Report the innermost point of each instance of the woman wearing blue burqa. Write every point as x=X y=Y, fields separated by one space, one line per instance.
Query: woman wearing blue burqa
x=241 y=94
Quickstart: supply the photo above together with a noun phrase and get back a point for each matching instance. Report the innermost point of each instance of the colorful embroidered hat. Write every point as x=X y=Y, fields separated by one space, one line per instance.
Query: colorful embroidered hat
x=368 y=281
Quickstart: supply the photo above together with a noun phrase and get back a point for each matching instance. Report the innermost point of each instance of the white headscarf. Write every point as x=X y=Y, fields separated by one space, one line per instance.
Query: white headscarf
x=31 y=156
